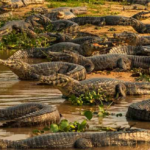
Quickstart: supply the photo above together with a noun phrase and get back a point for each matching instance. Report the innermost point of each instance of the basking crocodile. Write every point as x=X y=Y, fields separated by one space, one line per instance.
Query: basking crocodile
x=143 y=2
x=131 y=50
x=139 y=26
x=141 y=15
x=29 y=114
x=80 y=140
x=61 y=37
x=111 y=87
x=74 y=10
x=139 y=111
x=104 y=62
x=100 y=21
x=11 y=4
x=132 y=38
x=38 y=20
x=135 y=7
x=26 y=71
x=86 y=49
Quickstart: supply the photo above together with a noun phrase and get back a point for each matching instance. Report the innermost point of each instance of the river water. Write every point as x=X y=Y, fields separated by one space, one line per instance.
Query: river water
x=14 y=91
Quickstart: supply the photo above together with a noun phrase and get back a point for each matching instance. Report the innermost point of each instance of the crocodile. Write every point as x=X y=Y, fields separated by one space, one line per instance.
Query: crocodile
x=29 y=114
x=143 y=2
x=85 y=49
x=26 y=71
x=142 y=15
x=107 y=20
x=74 y=10
x=80 y=140
x=100 y=21
x=139 y=111
x=38 y=21
x=111 y=87
x=135 y=7
x=132 y=38
x=12 y=4
x=103 y=62
x=131 y=50
x=139 y=26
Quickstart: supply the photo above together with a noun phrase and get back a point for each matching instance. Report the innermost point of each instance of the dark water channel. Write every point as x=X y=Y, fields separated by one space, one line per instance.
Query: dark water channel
x=14 y=91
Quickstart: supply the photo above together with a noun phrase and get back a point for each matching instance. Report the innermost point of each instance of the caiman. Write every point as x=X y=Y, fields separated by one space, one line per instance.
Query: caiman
x=80 y=140
x=86 y=49
x=27 y=71
x=29 y=114
x=139 y=111
x=132 y=38
x=111 y=87
x=131 y=50
x=104 y=62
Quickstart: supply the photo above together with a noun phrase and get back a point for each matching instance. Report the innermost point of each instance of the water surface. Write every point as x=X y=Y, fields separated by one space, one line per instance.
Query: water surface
x=13 y=92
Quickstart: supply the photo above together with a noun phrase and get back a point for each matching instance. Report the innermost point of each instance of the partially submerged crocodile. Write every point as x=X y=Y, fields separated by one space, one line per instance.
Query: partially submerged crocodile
x=139 y=111
x=80 y=140
x=104 y=62
x=26 y=71
x=111 y=87
x=132 y=38
x=29 y=114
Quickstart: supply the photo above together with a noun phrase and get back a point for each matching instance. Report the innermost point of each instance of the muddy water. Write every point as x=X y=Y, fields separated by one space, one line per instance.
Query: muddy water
x=14 y=91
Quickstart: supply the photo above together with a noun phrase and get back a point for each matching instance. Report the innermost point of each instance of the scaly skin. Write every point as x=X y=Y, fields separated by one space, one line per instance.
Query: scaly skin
x=135 y=7
x=86 y=49
x=99 y=21
x=29 y=114
x=9 y=4
x=104 y=62
x=143 y=2
x=139 y=26
x=141 y=15
x=5 y=15
x=132 y=38
x=139 y=111
x=26 y=71
x=38 y=21
x=59 y=15
x=131 y=50
x=80 y=140
x=111 y=87
x=74 y=10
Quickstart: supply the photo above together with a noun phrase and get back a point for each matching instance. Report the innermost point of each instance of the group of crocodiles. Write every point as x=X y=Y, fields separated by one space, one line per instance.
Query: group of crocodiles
x=69 y=76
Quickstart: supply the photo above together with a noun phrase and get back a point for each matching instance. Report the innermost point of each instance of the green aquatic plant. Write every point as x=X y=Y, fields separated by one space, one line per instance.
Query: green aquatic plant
x=89 y=98
x=66 y=126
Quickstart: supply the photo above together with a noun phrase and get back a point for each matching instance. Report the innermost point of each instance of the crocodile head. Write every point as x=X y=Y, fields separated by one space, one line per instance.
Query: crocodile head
x=73 y=58
x=59 y=81
x=126 y=37
x=20 y=68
